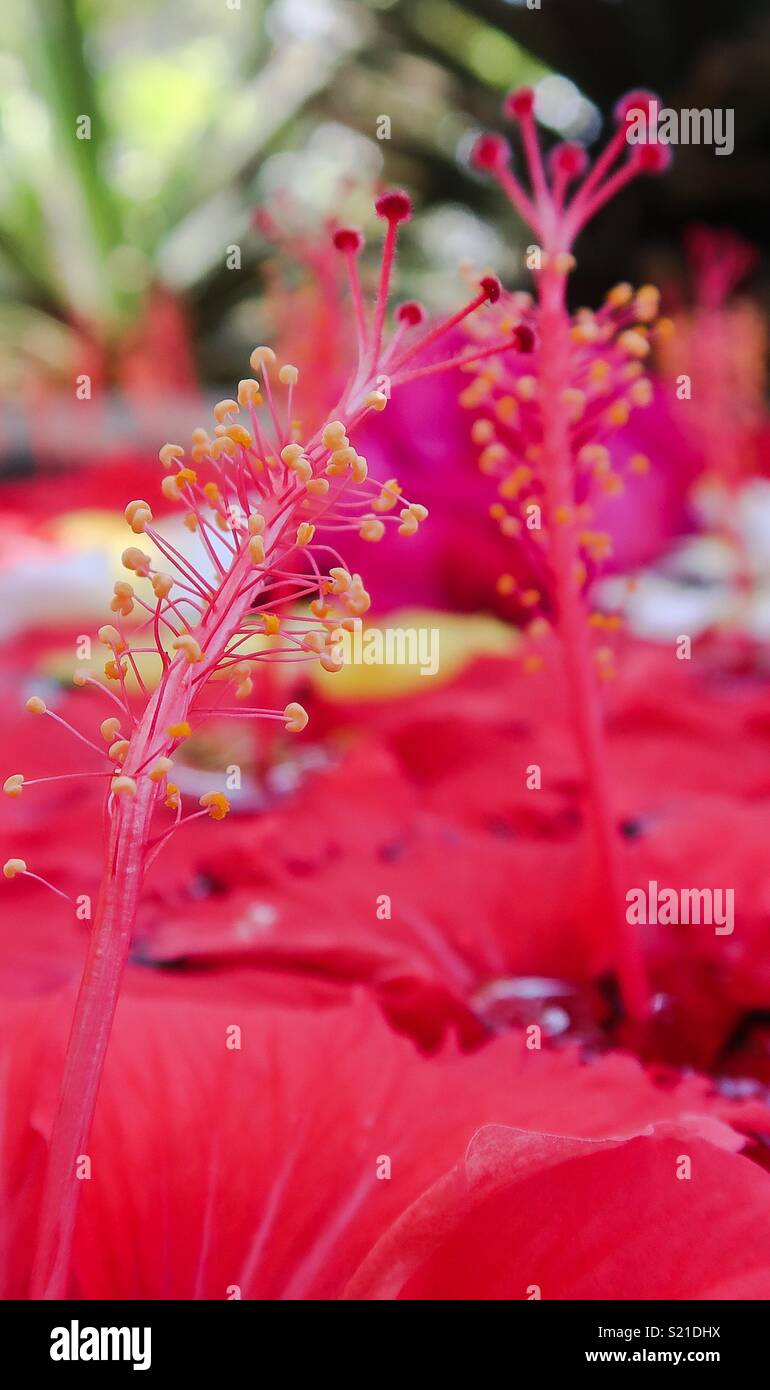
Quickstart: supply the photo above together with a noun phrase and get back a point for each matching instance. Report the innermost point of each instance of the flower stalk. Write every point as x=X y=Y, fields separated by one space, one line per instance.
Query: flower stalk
x=545 y=434
x=267 y=519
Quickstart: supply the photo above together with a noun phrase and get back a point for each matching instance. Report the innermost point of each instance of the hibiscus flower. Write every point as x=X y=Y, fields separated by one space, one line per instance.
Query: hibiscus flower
x=271 y=1153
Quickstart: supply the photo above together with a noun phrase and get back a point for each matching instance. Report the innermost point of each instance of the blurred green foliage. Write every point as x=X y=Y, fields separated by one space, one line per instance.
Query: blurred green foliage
x=201 y=111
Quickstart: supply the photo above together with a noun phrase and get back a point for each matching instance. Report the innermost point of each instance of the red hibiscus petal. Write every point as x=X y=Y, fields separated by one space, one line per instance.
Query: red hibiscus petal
x=258 y=1167
x=529 y=1215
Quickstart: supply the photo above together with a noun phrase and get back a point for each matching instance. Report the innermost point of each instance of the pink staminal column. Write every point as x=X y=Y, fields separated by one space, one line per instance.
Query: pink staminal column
x=557 y=218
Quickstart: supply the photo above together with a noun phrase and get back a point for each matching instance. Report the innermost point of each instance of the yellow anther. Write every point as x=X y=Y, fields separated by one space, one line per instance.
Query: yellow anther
x=372 y=529
x=261 y=358
x=314 y=642
x=12 y=867
x=288 y=375
x=212 y=494
x=244 y=690
x=599 y=371
x=633 y=343
x=223 y=445
x=527 y=387
x=388 y=497
x=594 y=456
x=641 y=392
x=530 y=598
x=172 y=797
x=136 y=560
x=35 y=705
x=318 y=487
x=510 y=526
x=224 y=408
x=118 y=750
x=356 y=599
x=188 y=646
x=109 y=728
x=113 y=670
x=191 y=521
x=137 y=514
x=249 y=392
x=563 y=262
x=296 y=717
x=513 y=484
x=200 y=451
x=169 y=452
x=256 y=524
x=160 y=769
x=359 y=468
x=294 y=459
x=257 y=550
x=216 y=804
x=419 y=512
x=585 y=330
x=474 y=395
x=239 y=435
x=507 y=409
x=617 y=414
x=482 y=431
x=409 y=524
x=14 y=785
x=272 y=624
x=110 y=636
x=490 y=457
x=79 y=678
x=639 y=463
x=334 y=436
x=162 y=584
x=341 y=460
x=318 y=608
x=123 y=785
x=123 y=601
x=505 y=585
x=170 y=487
x=620 y=295
x=181 y=730
x=647 y=303
x=305 y=533
x=341 y=580
x=376 y=400
x=331 y=660
x=597 y=543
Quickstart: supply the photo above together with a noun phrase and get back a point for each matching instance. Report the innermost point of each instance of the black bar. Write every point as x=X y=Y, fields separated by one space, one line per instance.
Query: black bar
x=213 y=1339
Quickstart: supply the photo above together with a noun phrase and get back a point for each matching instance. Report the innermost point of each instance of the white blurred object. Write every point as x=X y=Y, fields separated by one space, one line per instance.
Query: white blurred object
x=43 y=583
x=706 y=581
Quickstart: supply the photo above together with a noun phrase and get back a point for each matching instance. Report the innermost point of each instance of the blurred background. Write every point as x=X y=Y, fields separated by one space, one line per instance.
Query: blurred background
x=168 y=174
x=114 y=249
